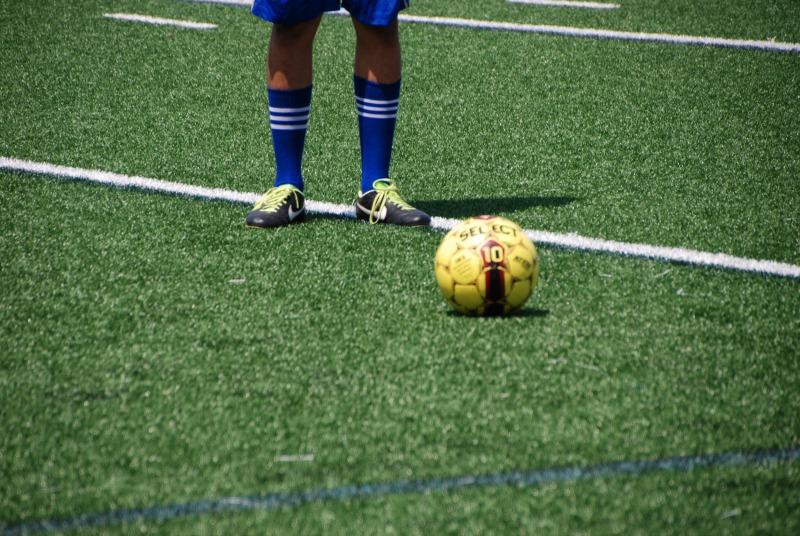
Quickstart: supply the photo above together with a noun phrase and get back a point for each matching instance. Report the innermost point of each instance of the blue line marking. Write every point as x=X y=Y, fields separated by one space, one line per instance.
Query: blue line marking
x=516 y=479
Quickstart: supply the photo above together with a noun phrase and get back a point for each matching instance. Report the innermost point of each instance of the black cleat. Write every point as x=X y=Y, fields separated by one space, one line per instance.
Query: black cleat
x=281 y=205
x=383 y=204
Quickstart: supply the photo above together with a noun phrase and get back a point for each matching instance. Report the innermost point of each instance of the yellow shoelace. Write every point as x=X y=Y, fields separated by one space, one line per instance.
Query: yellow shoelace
x=274 y=198
x=386 y=190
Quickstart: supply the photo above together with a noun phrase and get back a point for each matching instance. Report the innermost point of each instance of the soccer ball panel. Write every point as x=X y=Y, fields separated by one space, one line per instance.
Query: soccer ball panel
x=519 y=294
x=447 y=249
x=528 y=243
x=493 y=253
x=472 y=233
x=445 y=281
x=465 y=266
x=521 y=262
x=494 y=284
x=468 y=297
x=506 y=231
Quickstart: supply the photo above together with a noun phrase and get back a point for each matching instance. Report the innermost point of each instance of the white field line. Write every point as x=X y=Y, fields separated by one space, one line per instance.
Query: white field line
x=606 y=34
x=146 y=19
x=569 y=31
x=568 y=241
x=566 y=3
x=646 y=251
x=292 y=458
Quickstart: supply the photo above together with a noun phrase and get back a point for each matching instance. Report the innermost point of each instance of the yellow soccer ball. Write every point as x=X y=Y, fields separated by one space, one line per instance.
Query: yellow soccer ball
x=486 y=266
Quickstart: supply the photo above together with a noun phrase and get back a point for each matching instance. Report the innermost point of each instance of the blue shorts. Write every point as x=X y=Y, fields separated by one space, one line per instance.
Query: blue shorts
x=369 y=12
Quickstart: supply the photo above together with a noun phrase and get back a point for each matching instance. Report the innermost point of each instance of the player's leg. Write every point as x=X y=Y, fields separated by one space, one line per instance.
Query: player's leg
x=289 y=77
x=377 y=93
x=378 y=53
x=289 y=67
x=376 y=82
x=289 y=57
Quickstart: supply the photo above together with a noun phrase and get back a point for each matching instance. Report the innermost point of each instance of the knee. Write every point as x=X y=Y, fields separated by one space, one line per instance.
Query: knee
x=293 y=35
x=377 y=36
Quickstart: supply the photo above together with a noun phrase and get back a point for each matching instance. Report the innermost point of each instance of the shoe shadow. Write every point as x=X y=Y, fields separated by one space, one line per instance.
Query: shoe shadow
x=464 y=208
x=520 y=313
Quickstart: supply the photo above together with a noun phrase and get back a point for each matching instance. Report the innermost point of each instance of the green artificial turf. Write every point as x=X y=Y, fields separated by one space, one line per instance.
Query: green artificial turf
x=157 y=352
x=734 y=19
x=743 y=501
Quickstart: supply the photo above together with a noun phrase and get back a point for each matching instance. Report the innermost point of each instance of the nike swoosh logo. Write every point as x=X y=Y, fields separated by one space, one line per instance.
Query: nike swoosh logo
x=294 y=213
x=381 y=215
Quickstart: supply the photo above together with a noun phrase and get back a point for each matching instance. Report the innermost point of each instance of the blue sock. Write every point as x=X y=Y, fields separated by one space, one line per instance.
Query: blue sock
x=377 y=114
x=288 y=121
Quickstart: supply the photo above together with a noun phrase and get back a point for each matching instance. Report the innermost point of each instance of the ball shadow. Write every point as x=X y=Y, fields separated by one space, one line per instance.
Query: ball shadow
x=527 y=312
x=463 y=208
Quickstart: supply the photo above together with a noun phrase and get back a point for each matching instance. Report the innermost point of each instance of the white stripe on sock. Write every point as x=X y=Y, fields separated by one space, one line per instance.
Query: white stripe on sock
x=275 y=126
x=362 y=100
x=289 y=110
x=377 y=116
x=288 y=117
x=377 y=108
